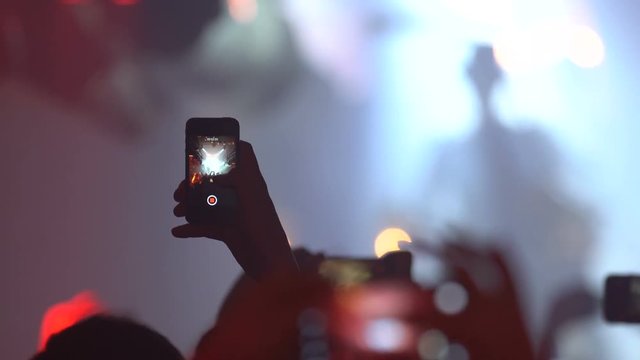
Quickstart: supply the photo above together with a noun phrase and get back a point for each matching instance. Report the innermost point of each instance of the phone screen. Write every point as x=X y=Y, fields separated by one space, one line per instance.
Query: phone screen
x=210 y=156
x=211 y=151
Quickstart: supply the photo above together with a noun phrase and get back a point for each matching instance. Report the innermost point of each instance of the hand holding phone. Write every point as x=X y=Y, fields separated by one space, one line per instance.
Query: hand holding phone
x=242 y=215
x=211 y=152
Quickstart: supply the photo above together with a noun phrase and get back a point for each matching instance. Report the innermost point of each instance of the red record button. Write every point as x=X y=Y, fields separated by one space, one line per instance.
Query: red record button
x=212 y=200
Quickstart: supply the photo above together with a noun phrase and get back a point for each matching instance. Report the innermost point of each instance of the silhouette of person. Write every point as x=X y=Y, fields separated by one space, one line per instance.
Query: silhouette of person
x=106 y=337
x=506 y=183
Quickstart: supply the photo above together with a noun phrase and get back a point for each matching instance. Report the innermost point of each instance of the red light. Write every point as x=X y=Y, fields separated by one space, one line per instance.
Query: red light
x=64 y=314
x=126 y=2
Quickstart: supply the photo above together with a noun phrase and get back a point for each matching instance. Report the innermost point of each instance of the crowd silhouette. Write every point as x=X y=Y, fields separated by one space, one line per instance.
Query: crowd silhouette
x=285 y=309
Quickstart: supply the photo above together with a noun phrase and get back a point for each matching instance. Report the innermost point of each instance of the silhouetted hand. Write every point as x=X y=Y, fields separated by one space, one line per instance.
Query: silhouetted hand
x=257 y=239
x=492 y=324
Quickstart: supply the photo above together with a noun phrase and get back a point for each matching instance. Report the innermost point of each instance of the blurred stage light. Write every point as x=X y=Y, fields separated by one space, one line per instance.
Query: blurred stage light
x=386 y=335
x=243 y=11
x=451 y=298
x=533 y=49
x=387 y=241
x=490 y=12
x=511 y=53
x=586 y=48
x=546 y=45
x=433 y=345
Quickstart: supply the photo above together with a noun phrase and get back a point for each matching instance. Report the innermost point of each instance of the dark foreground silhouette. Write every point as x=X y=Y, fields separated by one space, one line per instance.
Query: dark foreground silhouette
x=283 y=312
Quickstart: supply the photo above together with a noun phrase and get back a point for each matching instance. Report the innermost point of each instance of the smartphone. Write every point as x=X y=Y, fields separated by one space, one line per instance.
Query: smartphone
x=622 y=299
x=342 y=271
x=211 y=150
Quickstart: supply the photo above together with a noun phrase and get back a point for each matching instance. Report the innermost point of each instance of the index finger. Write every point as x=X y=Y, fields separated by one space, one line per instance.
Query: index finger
x=249 y=174
x=248 y=162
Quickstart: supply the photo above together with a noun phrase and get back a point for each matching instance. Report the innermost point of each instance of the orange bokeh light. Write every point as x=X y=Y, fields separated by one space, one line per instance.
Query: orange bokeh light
x=388 y=239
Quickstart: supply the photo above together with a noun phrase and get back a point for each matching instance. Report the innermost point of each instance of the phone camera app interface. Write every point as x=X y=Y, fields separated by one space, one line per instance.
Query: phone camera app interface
x=210 y=156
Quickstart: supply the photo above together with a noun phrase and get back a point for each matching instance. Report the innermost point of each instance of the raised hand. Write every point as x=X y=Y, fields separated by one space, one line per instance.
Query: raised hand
x=256 y=239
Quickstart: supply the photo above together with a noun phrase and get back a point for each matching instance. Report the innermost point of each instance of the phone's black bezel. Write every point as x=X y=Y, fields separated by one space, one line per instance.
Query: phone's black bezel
x=395 y=265
x=213 y=126
x=222 y=126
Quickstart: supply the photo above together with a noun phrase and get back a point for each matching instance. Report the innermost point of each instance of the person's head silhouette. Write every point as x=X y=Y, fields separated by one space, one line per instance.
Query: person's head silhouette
x=105 y=337
x=484 y=73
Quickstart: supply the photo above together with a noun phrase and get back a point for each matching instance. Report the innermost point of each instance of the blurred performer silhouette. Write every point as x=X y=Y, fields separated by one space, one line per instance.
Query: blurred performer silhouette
x=507 y=183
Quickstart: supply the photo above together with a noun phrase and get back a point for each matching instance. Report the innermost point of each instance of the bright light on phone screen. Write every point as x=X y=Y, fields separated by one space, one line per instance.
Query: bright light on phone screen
x=210 y=156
